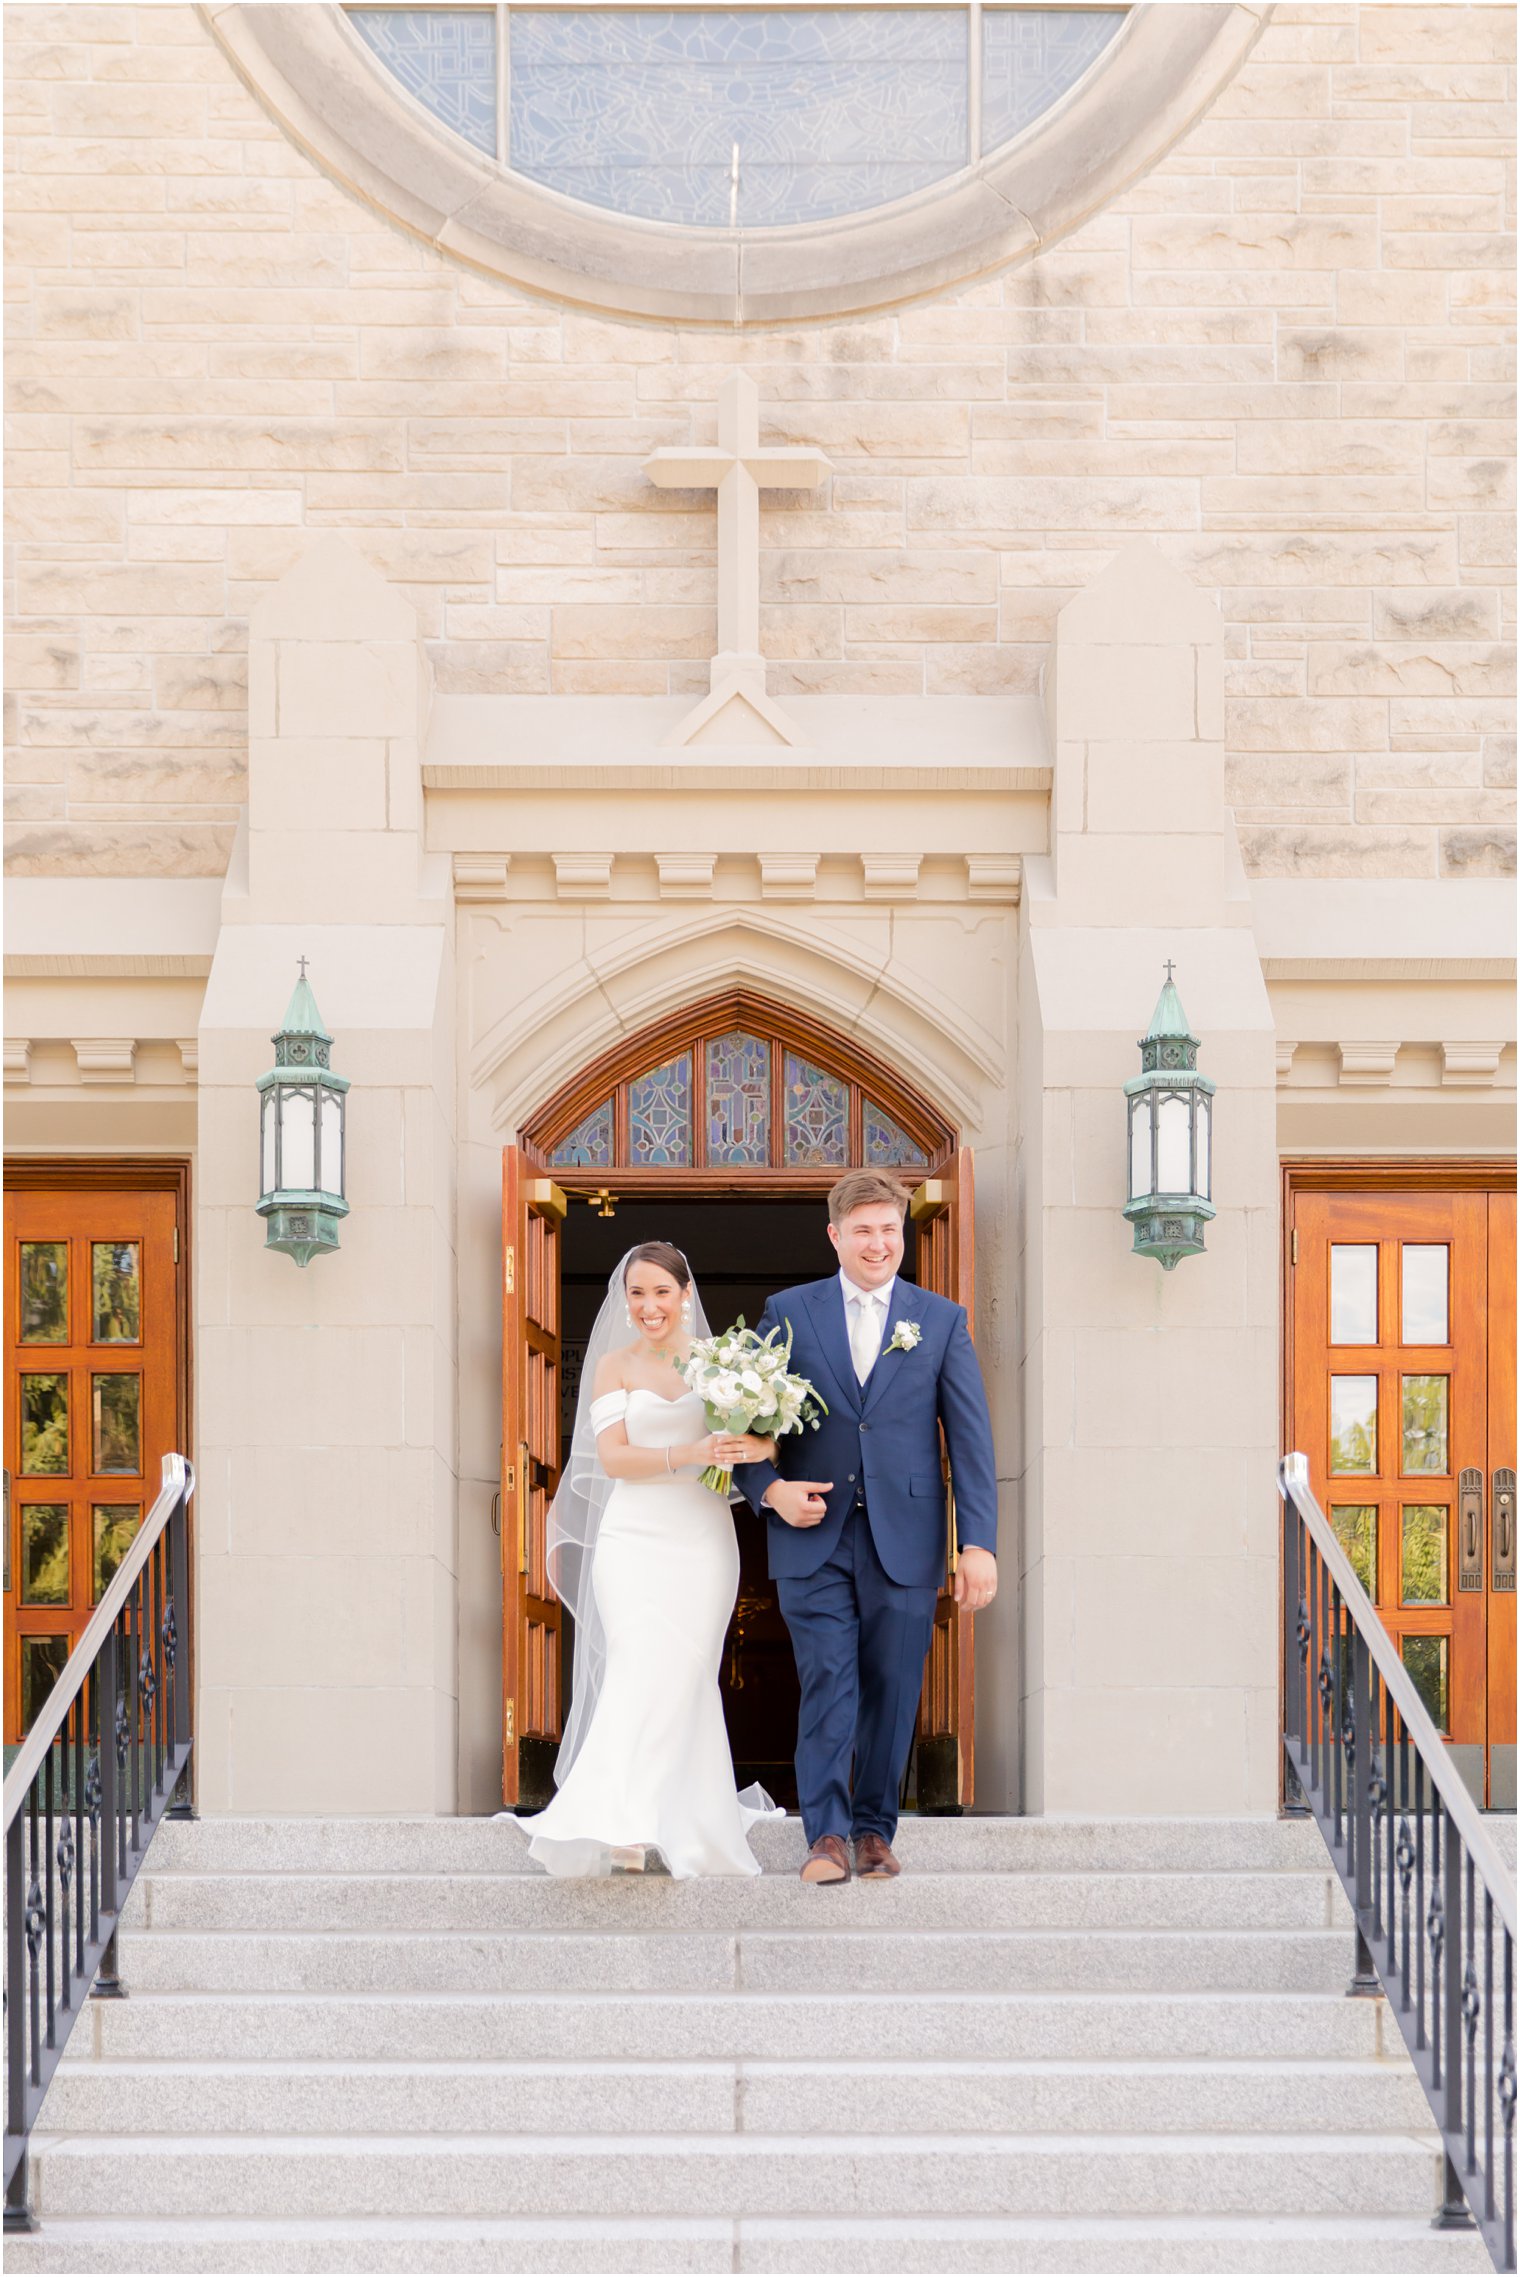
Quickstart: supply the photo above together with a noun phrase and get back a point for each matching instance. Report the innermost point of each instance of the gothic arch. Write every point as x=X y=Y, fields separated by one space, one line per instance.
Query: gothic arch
x=606 y=995
x=734 y=1087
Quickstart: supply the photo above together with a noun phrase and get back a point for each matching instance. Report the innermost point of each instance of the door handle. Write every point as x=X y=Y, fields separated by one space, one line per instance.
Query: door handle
x=1504 y=1532
x=1470 y=1533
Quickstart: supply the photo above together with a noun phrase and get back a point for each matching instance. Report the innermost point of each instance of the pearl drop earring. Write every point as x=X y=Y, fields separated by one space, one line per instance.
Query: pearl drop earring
x=628 y=1316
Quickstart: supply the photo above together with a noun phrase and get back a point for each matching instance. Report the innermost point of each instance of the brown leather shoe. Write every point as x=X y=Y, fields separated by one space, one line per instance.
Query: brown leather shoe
x=827 y=1861
x=874 y=1861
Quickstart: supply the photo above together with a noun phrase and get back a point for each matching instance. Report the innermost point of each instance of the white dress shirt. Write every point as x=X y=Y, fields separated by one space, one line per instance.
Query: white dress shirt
x=865 y=1314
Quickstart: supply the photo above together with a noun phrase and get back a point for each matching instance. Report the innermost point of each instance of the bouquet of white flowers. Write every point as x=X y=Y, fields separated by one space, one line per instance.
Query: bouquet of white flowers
x=747 y=1385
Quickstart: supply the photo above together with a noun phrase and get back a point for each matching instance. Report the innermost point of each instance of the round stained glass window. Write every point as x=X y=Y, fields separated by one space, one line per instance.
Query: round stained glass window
x=737 y=118
x=817 y=162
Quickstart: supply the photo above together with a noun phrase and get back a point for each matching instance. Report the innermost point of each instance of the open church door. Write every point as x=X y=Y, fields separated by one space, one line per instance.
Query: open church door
x=944 y=1214
x=532 y=1215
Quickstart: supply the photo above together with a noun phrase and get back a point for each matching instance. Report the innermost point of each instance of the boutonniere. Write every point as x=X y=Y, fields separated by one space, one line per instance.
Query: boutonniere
x=906 y=1337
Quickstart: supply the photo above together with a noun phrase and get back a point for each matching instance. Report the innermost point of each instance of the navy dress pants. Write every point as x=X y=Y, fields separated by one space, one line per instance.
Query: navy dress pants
x=860 y=1640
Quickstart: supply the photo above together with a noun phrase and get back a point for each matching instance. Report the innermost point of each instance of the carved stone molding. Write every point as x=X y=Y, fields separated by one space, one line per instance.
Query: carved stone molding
x=1367 y=1063
x=788 y=877
x=1470 y=1063
x=189 y=1049
x=480 y=877
x=890 y=877
x=582 y=877
x=1285 y=1053
x=685 y=877
x=994 y=877
x=106 y=1059
x=18 y=1059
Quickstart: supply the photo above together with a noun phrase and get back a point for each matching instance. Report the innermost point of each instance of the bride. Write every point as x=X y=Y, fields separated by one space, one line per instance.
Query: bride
x=645 y=1557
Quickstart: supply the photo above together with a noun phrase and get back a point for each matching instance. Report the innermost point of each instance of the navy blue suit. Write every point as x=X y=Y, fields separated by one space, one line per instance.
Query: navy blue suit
x=857 y=1590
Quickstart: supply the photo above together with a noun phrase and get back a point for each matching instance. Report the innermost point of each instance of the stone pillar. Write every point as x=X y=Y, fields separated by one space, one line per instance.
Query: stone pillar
x=1149 y=1535
x=325 y=1511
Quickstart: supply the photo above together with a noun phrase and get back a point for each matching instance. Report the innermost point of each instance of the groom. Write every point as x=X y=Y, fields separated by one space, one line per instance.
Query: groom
x=857 y=1555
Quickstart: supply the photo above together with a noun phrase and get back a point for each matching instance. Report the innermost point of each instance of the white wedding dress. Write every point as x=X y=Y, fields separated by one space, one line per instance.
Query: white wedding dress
x=654 y=1768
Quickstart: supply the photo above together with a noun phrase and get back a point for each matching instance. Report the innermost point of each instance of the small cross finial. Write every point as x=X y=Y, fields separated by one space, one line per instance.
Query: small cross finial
x=301 y=961
x=1170 y=968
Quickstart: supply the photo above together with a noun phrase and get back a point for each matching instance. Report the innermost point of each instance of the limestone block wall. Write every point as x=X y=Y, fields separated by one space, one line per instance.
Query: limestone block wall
x=1147 y=1539
x=326 y=1512
x=1283 y=355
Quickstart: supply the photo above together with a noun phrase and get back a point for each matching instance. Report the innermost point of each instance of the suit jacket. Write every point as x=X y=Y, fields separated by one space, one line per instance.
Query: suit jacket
x=883 y=1434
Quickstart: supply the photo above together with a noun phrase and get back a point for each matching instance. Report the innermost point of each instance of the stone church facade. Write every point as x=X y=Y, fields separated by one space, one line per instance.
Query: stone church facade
x=1150 y=603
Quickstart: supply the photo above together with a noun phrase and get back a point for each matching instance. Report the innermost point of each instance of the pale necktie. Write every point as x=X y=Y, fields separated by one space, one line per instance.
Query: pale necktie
x=865 y=1334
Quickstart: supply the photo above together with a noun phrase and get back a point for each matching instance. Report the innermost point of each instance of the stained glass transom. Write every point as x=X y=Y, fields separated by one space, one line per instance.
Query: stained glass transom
x=887 y=1144
x=738 y=1103
x=1031 y=57
x=745 y=1097
x=446 y=57
x=589 y=1146
x=817 y=1116
x=659 y=1115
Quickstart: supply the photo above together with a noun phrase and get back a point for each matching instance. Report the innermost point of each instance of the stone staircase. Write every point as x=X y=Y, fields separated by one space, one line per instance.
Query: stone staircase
x=1053 y=2045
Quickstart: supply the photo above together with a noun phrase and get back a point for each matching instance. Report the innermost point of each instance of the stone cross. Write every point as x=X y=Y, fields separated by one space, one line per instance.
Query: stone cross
x=739 y=469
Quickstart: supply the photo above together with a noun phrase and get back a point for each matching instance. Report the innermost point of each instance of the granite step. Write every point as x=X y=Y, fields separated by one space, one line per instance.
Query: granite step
x=925 y=1845
x=610 y=2027
x=1308 y=1960
x=857 y=2246
x=975 y=1899
x=883 y=2176
x=782 y=2098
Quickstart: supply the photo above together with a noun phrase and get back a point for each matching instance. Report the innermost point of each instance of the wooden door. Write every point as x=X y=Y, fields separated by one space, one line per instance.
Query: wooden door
x=1396 y=1332
x=1499 y=1568
x=944 y=1214
x=94 y=1343
x=532 y=1214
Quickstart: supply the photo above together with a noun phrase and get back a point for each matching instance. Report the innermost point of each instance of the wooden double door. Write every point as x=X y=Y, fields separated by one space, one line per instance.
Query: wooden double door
x=1401 y=1366
x=535 y=1638
x=95 y=1358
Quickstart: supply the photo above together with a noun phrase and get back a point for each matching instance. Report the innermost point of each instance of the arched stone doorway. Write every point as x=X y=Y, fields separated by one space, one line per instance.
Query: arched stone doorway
x=722 y=1128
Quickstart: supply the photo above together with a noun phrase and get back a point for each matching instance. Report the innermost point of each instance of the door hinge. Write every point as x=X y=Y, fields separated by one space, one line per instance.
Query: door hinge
x=1293 y=1247
x=176 y=1245
x=509 y=1268
x=509 y=1722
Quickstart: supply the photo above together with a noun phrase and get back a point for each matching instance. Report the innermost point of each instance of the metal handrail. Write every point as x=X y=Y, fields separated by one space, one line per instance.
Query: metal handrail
x=1418 y=1721
x=178 y=1482
x=83 y=1800
x=1364 y=1751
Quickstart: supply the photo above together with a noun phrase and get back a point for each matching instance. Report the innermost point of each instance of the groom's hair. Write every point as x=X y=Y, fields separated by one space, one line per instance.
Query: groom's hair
x=857 y=1187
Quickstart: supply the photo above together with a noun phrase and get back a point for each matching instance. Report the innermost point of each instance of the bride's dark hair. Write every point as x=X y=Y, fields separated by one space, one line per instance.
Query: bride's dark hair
x=663 y=1254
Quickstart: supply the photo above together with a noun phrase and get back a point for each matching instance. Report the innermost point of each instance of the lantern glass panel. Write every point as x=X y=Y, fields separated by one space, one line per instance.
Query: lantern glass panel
x=298 y=1141
x=1173 y=1145
x=267 y=1171
x=332 y=1143
x=1205 y=1146
x=1139 y=1146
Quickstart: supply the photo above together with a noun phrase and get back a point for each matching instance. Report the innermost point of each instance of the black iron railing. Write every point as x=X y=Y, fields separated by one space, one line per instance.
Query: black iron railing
x=83 y=1800
x=1433 y=1901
